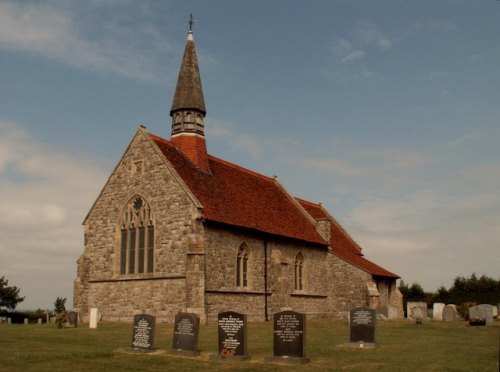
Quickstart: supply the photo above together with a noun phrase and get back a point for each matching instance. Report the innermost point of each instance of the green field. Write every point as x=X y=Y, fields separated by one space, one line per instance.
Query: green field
x=402 y=346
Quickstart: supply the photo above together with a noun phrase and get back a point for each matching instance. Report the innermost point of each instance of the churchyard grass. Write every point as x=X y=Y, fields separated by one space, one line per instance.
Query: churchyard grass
x=402 y=346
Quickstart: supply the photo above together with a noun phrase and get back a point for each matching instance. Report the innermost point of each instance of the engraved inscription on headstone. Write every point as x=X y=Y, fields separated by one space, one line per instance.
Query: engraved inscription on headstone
x=363 y=323
x=144 y=332
x=186 y=330
x=232 y=334
x=289 y=328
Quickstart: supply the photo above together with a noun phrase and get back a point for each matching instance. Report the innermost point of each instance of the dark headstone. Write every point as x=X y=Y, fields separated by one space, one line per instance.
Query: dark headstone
x=362 y=323
x=232 y=335
x=186 y=330
x=144 y=332
x=73 y=319
x=289 y=329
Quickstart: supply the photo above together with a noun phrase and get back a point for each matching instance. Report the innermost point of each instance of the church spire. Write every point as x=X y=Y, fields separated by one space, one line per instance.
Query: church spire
x=188 y=108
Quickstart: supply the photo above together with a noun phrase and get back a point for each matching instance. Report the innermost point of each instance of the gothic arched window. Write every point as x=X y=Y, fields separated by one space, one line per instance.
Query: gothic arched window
x=242 y=267
x=137 y=238
x=299 y=272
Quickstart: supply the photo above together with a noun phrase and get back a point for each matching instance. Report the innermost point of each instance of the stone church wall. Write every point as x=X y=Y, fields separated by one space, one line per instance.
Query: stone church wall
x=141 y=171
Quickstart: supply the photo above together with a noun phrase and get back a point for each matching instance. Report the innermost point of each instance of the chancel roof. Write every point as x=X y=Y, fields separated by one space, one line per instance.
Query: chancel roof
x=238 y=197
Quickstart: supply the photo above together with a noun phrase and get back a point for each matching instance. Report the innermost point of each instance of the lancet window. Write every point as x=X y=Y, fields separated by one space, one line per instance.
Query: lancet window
x=242 y=267
x=299 y=272
x=137 y=238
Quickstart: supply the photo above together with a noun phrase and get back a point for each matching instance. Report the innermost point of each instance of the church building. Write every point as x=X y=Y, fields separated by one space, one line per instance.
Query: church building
x=177 y=229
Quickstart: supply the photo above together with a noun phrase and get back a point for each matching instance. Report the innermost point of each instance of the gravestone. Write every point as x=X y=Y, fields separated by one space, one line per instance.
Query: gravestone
x=25 y=320
x=489 y=312
x=144 y=332
x=392 y=312
x=437 y=310
x=93 y=318
x=449 y=313
x=363 y=321
x=39 y=320
x=9 y=320
x=289 y=336
x=73 y=319
x=411 y=310
x=482 y=311
x=232 y=330
x=186 y=330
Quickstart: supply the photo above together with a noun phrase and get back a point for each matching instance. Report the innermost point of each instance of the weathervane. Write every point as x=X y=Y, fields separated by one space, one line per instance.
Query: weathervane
x=191 y=22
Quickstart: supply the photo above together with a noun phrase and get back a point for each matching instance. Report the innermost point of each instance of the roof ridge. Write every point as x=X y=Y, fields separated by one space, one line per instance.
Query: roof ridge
x=239 y=167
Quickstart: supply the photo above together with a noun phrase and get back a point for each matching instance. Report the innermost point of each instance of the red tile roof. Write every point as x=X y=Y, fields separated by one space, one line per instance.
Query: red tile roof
x=236 y=196
x=342 y=245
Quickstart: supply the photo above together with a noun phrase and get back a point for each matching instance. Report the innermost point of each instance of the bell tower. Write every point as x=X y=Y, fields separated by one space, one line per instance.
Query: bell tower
x=188 y=108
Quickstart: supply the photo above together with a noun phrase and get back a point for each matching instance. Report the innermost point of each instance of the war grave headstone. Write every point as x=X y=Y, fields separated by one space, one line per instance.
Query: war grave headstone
x=186 y=330
x=449 y=313
x=363 y=321
x=93 y=318
x=289 y=337
x=73 y=319
x=232 y=336
x=437 y=310
x=144 y=332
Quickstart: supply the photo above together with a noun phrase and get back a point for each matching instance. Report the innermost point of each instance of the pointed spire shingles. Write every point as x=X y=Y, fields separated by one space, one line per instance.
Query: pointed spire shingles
x=189 y=92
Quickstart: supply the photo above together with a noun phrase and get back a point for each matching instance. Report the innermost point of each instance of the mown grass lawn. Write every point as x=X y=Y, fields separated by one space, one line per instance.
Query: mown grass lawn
x=402 y=346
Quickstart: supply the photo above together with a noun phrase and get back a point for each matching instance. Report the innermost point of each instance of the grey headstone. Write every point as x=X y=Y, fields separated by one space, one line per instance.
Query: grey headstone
x=449 y=313
x=363 y=322
x=289 y=330
x=9 y=320
x=144 y=332
x=25 y=320
x=186 y=330
x=39 y=320
x=483 y=311
x=232 y=331
x=410 y=310
x=437 y=310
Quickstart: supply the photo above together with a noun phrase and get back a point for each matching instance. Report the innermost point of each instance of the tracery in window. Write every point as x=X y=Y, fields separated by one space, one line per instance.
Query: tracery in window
x=136 y=241
x=299 y=272
x=242 y=267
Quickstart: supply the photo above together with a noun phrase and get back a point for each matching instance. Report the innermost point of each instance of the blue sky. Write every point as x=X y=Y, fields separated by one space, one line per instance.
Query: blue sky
x=387 y=112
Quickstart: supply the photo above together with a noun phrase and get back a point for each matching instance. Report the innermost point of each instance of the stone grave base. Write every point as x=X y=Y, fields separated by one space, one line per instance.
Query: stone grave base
x=238 y=358
x=360 y=345
x=130 y=350
x=287 y=359
x=185 y=352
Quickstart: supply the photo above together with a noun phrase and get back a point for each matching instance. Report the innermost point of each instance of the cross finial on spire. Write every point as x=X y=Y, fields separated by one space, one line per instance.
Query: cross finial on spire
x=191 y=22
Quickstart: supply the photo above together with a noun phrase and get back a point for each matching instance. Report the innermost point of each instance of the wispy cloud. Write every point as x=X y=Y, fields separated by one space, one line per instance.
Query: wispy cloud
x=365 y=38
x=45 y=195
x=56 y=32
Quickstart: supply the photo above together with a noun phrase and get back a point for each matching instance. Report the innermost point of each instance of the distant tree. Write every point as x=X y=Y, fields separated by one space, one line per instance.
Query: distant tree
x=442 y=295
x=9 y=295
x=483 y=290
x=60 y=310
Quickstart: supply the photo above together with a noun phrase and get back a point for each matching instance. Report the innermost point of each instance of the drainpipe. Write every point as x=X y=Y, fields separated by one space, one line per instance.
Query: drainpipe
x=266 y=315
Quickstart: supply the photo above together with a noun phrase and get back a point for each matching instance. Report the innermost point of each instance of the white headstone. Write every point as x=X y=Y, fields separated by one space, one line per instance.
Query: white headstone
x=25 y=320
x=39 y=320
x=9 y=320
x=437 y=310
x=93 y=318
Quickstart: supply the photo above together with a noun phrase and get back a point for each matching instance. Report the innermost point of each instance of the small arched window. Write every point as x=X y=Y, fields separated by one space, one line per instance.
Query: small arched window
x=299 y=272
x=136 y=238
x=242 y=267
